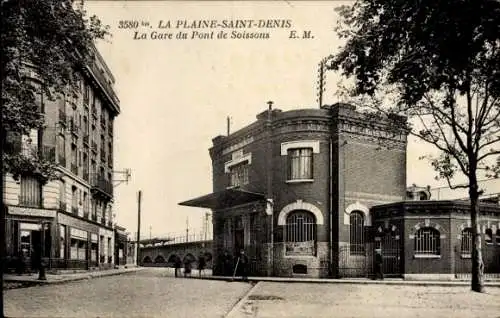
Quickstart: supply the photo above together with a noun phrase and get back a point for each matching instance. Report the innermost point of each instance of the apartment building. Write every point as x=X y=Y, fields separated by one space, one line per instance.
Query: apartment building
x=68 y=221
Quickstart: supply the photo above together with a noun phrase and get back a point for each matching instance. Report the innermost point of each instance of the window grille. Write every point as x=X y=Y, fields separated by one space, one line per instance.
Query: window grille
x=427 y=242
x=357 y=233
x=467 y=241
x=300 y=227
x=300 y=164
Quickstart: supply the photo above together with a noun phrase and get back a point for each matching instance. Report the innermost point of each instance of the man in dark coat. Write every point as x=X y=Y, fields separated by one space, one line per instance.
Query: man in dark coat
x=378 y=264
x=243 y=265
x=177 y=265
x=227 y=264
x=201 y=264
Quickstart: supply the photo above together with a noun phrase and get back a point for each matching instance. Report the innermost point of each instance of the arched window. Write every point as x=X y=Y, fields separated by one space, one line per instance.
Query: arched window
x=427 y=241
x=159 y=259
x=300 y=227
x=466 y=245
x=357 y=233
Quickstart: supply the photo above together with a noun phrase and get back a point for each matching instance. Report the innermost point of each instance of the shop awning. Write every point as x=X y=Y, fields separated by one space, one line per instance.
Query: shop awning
x=224 y=199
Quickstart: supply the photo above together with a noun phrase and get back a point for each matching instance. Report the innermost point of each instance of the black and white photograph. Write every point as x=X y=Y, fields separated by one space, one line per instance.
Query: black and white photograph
x=207 y=158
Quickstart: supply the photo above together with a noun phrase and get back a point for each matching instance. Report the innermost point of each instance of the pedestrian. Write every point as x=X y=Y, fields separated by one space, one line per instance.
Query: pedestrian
x=177 y=265
x=187 y=267
x=243 y=266
x=227 y=264
x=201 y=264
x=378 y=264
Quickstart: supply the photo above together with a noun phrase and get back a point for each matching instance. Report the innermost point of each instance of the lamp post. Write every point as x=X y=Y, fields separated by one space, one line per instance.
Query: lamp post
x=41 y=272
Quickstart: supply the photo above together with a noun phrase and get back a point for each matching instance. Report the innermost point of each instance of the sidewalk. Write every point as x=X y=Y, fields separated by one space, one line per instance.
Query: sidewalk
x=360 y=281
x=32 y=279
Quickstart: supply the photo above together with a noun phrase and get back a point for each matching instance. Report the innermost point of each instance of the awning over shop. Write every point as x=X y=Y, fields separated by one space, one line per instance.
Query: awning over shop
x=224 y=199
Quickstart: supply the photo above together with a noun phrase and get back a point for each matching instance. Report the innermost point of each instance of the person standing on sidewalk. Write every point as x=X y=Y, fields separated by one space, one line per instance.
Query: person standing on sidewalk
x=177 y=265
x=243 y=266
x=378 y=264
x=201 y=263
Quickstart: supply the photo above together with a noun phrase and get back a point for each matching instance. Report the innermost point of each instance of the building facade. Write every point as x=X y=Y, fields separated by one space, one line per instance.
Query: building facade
x=68 y=221
x=294 y=189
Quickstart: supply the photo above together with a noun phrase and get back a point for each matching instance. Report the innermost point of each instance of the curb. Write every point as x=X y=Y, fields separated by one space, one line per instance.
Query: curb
x=358 y=282
x=88 y=276
x=240 y=303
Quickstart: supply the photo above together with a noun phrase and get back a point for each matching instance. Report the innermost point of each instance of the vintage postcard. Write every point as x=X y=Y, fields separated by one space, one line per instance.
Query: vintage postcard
x=214 y=159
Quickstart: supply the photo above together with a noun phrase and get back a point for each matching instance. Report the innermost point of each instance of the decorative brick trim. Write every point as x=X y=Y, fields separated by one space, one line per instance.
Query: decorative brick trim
x=314 y=144
x=234 y=162
x=300 y=205
x=357 y=206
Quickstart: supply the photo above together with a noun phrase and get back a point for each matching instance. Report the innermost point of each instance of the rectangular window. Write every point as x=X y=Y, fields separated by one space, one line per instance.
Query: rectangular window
x=61 y=149
x=110 y=251
x=300 y=164
x=62 y=195
x=74 y=200
x=31 y=192
x=239 y=174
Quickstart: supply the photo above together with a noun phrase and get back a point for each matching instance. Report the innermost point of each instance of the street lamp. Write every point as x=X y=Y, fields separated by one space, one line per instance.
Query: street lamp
x=41 y=272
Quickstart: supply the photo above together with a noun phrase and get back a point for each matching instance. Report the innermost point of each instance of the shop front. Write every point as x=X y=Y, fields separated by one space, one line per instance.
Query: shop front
x=78 y=243
x=29 y=237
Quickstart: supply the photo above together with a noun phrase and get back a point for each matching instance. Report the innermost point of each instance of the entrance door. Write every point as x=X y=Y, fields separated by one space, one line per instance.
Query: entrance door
x=391 y=254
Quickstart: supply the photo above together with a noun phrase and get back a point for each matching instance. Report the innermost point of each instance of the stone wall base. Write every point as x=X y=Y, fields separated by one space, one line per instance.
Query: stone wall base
x=429 y=277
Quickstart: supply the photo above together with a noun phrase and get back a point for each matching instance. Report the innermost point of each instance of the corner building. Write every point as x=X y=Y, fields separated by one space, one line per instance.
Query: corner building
x=294 y=190
x=68 y=221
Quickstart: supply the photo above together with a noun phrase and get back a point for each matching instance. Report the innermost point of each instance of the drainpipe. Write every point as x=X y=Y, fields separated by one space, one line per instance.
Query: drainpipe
x=270 y=261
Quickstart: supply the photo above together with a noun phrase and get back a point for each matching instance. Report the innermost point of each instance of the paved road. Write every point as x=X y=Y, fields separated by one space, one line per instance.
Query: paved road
x=370 y=301
x=148 y=293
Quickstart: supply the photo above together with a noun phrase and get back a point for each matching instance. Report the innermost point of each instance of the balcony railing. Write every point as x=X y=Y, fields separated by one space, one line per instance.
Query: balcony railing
x=62 y=117
x=102 y=185
x=94 y=217
x=86 y=214
x=74 y=209
x=74 y=168
x=62 y=206
x=30 y=201
x=103 y=221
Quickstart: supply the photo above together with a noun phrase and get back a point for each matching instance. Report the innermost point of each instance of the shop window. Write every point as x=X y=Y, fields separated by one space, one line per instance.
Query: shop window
x=488 y=236
x=239 y=174
x=300 y=164
x=467 y=241
x=299 y=269
x=25 y=243
x=357 y=233
x=427 y=242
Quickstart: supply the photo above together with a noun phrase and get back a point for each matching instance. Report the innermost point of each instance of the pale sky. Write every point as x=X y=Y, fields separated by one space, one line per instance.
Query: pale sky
x=175 y=96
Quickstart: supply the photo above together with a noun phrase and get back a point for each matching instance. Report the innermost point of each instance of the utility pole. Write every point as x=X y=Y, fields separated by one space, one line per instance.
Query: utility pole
x=139 y=195
x=150 y=227
x=269 y=186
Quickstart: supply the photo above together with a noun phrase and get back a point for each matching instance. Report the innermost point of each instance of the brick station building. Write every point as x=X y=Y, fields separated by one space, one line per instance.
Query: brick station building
x=312 y=192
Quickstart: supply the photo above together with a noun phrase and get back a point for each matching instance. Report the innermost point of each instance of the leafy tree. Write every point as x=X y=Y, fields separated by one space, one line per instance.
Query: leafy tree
x=45 y=47
x=437 y=63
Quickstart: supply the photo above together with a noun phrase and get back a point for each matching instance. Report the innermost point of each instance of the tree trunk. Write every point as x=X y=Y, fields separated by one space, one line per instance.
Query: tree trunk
x=477 y=283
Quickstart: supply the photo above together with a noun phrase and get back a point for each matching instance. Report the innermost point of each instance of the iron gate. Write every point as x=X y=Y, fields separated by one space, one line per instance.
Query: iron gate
x=390 y=244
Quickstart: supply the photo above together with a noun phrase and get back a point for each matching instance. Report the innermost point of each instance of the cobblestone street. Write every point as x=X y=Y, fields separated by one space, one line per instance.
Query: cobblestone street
x=148 y=293
x=344 y=300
